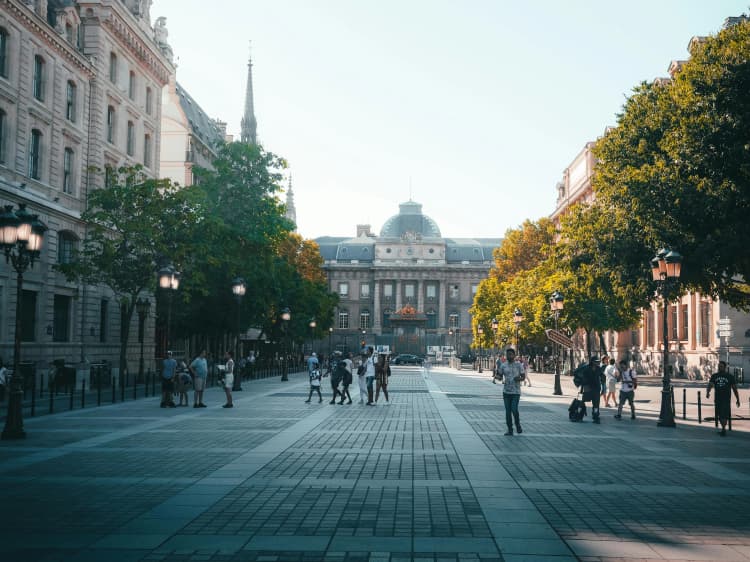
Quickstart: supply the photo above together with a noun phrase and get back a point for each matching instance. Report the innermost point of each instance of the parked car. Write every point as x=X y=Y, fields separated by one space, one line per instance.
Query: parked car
x=407 y=359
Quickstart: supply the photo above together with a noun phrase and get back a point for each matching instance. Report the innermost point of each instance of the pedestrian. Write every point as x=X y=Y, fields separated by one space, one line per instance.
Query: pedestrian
x=724 y=383
x=182 y=382
x=228 y=378
x=168 y=371
x=199 y=369
x=314 y=376
x=338 y=371
x=370 y=374
x=512 y=374
x=361 y=370
x=347 y=378
x=382 y=372
x=3 y=379
x=591 y=387
x=525 y=364
x=627 y=389
x=603 y=379
x=312 y=363
x=612 y=374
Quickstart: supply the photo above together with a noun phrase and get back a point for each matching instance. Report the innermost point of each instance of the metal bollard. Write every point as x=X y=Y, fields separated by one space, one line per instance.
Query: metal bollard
x=33 y=396
x=83 y=394
x=72 y=395
x=135 y=386
x=700 y=416
x=41 y=385
x=122 y=389
x=684 y=403
x=98 y=388
x=153 y=384
x=671 y=393
x=51 y=402
x=114 y=390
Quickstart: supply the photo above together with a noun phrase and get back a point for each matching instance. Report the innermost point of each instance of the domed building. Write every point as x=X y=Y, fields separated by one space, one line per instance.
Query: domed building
x=407 y=288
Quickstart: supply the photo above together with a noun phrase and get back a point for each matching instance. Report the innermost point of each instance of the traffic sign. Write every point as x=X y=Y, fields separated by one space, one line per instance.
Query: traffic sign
x=724 y=321
x=559 y=338
x=726 y=333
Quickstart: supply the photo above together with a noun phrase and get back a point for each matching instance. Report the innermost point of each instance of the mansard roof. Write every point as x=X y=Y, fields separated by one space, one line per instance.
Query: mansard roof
x=201 y=125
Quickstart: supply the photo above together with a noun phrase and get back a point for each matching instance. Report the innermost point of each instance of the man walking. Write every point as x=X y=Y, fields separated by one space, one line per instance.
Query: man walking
x=627 y=389
x=168 y=370
x=592 y=386
x=512 y=374
x=312 y=363
x=199 y=368
x=370 y=374
x=725 y=385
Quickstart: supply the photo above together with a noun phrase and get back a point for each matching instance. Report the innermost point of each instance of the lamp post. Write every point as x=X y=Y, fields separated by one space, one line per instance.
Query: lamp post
x=21 y=238
x=286 y=316
x=517 y=319
x=666 y=267
x=480 y=333
x=495 y=325
x=238 y=290
x=169 y=280
x=556 y=303
x=330 y=338
x=142 y=306
x=312 y=325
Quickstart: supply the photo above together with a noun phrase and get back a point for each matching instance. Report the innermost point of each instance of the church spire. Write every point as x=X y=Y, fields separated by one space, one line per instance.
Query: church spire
x=291 y=212
x=249 y=124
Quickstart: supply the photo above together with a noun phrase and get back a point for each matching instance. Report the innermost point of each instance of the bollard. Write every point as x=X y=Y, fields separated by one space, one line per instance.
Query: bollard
x=83 y=394
x=671 y=393
x=700 y=416
x=41 y=386
x=684 y=403
x=98 y=387
x=51 y=402
x=135 y=385
x=114 y=390
x=122 y=389
x=72 y=395
x=153 y=384
x=33 y=396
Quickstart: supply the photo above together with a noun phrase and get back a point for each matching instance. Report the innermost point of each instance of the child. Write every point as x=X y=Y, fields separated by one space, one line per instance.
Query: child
x=314 y=386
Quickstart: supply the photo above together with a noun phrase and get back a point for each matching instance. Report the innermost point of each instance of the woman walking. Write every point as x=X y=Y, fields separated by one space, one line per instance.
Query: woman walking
x=382 y=372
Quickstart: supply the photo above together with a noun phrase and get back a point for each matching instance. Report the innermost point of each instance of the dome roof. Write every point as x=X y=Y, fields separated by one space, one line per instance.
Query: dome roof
x=410 y=220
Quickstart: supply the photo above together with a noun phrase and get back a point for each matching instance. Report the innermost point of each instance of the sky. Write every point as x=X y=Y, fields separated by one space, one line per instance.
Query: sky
x=473 y=108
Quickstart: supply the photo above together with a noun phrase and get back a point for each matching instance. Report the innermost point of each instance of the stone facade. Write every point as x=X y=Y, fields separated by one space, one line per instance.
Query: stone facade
x=408 y=263
x=79 y=92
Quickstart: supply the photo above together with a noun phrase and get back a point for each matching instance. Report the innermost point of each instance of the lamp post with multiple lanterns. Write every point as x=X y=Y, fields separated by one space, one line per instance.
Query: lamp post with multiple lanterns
x=517 y=319
x=169 y=280
x=495 y=325
x=239 y=287
x=666 y=267
x=21 y=238
x=556 y=303
x=312 y=324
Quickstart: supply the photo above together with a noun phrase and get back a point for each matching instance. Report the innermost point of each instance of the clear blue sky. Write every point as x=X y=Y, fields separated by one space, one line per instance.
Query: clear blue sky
x=479 y=105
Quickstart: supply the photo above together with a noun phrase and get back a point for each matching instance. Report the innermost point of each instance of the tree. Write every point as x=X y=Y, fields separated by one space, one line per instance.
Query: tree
x=523 y=248
x=132 y=226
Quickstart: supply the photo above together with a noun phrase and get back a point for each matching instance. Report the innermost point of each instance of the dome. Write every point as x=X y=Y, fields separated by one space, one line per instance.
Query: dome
x=410 y=220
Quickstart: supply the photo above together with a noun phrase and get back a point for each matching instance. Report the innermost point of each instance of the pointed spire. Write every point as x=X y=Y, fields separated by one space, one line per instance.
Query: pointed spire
x=291 y=212
x=248 y=123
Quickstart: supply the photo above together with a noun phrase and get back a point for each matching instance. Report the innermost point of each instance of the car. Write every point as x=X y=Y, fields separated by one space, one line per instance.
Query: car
x=407 y=359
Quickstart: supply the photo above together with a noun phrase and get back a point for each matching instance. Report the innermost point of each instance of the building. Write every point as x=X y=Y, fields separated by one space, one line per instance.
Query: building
x=79 y=97
x=408 y=287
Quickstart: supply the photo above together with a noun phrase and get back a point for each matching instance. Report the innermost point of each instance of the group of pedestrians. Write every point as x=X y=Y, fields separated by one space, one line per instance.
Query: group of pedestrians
x=176 y=378
x=372 y=377
x=598 y=380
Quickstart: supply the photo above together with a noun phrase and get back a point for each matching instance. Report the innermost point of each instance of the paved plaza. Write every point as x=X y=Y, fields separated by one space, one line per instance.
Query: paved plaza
x=429 y=477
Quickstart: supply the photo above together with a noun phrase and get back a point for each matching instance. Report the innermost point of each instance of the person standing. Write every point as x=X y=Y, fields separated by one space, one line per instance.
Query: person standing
x=612 y=374
x=362 y=383
x=228 y=378
x=511 y=371
x=382 y=372
x=724 y=384
x=592 y=386
x=338 y=371
x=603 y=379
x=525 y=364
x=370 y=374
x=312 y=363
x=168 y=370
x=627 y=389
x=199 y=369
x=347 y=378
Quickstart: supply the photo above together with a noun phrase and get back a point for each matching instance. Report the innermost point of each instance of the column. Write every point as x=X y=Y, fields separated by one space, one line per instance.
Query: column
x=398 y=295
x=442 y=313
x=376 y=324
x=420 y=296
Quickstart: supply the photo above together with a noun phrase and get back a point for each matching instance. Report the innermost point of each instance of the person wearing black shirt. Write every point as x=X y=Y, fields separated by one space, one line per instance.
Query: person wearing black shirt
x=724 y=384
x=592 y=386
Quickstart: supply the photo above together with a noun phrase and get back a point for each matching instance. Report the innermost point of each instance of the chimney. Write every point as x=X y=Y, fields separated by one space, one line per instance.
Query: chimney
x=363 y=230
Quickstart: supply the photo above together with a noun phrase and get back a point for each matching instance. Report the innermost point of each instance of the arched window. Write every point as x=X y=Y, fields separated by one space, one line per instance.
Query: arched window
x=364 y=320
x=39 y=70
x=431 y=319
x=110 y=124
x=3 y=134
x=70 y=101
x=113 y=68
x=149 y=101
x=4 y=45
x=343 y=320
x=131 y=138
x=147 y=151
x=131 y=85
x=67 y=242
x=35 y=154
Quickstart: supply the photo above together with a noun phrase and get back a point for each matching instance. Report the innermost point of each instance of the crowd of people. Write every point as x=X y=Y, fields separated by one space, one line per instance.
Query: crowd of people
x=372 y=377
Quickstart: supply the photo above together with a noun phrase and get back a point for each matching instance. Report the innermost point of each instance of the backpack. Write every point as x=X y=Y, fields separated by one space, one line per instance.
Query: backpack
x=362 y=369
x=579 y=375
x=341 y=371
x=577 y=410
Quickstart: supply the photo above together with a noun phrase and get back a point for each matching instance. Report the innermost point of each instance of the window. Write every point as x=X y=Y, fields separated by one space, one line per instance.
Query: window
x=109 y=176
x=705 y=334
x=68 y=164
x=684 y=325
x=364 y=320
x=131 y=85
x=388 y=290
x=149 y=101
x=35 y=154
x=409 y=291
x=103 y=317
x=61 y=320
x=3 y=133
x=4 y=40
x=38 y=78
x=147 y=151
x=66 y=246
x=28 y=316
x=431 y=291
x=387 y=318
x=131 y=139
x=453 y=290
x=343 y=289
x=673 y=312
x=453 y=321
x=343 y=320
x=70 y=101
x=431 y=320
x=364 y=290
x=110 y=124
x=69 y=32
x=474 y=288
x=113 y=68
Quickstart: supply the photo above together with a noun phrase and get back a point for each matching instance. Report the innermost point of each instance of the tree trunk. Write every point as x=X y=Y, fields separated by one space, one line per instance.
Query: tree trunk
x=588 y=343
x=602 y=345
x=126 y=315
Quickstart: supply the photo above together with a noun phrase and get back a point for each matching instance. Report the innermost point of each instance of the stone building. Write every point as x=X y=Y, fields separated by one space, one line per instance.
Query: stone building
x=406 y=288
x=80 y=85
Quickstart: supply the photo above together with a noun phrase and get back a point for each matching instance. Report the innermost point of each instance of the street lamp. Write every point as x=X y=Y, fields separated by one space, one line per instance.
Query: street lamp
x=238 y=290
x=556 y=303
x=517 y=319
x=666 y=267
x=142 y=306
x=21 y=237
x=495 y=325
x=330 y=337
x=286 y=316
x=480 y=333
x=312 y=325
x=169 y=280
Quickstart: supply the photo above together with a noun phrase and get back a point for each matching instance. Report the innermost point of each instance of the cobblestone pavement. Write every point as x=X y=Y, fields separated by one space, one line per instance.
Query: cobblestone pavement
x=429 y=477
